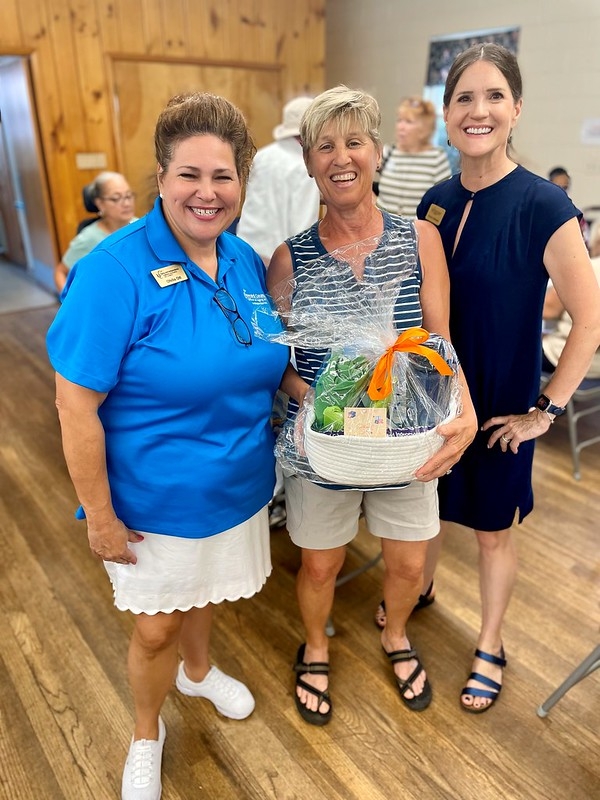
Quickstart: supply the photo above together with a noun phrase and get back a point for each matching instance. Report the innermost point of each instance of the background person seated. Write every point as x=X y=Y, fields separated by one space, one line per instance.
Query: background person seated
x=554 y=341
x=115 y=202
x=561 y=177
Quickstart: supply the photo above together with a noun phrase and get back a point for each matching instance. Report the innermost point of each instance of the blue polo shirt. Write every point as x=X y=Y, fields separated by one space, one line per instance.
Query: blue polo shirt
x=189 y=443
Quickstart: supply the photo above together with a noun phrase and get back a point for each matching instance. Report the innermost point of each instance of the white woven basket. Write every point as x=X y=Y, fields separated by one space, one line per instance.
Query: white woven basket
x=366 y=461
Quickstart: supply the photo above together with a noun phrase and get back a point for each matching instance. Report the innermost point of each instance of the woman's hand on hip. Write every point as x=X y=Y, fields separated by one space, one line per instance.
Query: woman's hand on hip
x=108 y=541
x=513 y=429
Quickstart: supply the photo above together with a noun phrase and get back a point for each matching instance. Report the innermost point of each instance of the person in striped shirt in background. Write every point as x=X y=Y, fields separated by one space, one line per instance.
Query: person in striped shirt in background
x=412 y=165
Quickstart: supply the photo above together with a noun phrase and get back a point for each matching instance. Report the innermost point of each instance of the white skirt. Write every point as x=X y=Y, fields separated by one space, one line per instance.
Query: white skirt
x=173 y=573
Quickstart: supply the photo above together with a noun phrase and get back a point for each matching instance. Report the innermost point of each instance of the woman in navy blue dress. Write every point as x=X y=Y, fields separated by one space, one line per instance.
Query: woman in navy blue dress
x=505 y=231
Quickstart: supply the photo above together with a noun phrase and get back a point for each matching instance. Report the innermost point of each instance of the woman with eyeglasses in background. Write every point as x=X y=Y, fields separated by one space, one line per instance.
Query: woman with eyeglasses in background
x=412 y=165
x=115 y=202
x=164 y=399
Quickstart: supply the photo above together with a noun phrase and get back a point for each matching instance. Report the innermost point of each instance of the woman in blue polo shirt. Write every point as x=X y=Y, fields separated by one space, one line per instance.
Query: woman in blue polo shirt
x=164 y=398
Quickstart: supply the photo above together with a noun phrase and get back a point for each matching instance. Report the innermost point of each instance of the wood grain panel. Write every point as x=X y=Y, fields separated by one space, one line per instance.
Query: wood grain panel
x=92 y=80
x=200 y=28
x=58 y=129
x=72 y=43
x=175 y=30
x=153 y=26
x=143 y=88
x=107 y=14
x=10 y=30
x=130 y=15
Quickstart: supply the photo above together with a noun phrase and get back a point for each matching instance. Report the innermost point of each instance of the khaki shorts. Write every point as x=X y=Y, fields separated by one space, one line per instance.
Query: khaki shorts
x=320 y=519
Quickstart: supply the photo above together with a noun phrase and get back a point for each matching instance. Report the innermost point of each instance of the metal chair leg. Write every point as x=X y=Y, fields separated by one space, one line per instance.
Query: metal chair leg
x=587 y=666
x=329 y=626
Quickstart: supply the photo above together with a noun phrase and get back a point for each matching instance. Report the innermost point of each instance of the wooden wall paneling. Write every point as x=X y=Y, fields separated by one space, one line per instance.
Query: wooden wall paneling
x=10 y=30
x=110 y=29
x=134 y=126
x=223 y=16
x=58 y=106
x=130 y=15
x=174 y=27
x=153 y=26
x=275 y=17
x=286 y=45
x=304 y=45
x=144 y=87
x=92 y=81
x=72 y=44
x=314 y=32
x=251 y=35
x=200 y=27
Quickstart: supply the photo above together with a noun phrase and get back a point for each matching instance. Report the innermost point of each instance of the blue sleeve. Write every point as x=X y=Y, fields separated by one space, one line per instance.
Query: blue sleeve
x=551 y=207
x=96 y=323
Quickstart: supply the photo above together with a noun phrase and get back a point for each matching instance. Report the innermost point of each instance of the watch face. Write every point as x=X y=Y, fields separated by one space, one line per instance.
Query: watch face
x=542 y=402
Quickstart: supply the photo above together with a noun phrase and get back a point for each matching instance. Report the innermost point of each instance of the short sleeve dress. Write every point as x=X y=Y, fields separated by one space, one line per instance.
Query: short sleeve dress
x=497 y=287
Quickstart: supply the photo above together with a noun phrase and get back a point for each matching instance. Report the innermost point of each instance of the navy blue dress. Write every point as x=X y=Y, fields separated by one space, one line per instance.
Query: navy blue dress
x=497 y=287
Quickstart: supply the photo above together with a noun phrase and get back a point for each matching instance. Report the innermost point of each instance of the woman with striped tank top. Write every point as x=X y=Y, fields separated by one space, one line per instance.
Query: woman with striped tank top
x=342 y=149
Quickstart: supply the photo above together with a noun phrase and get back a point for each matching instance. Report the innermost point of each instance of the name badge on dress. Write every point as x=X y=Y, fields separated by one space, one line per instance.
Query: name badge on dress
x=165 y=276
x=435 y=214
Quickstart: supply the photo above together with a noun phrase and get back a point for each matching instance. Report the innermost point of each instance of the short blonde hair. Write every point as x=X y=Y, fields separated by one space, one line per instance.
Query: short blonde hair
x=418 y=109
x=347 y=108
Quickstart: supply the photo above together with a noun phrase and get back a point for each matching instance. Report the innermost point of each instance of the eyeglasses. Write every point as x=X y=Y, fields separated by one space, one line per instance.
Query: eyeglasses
x=128 y=197
x=228 y=306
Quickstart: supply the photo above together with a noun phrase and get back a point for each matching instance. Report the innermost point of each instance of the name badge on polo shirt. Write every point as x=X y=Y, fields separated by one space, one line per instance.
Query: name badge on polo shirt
x=165 y=276
x=435 y=214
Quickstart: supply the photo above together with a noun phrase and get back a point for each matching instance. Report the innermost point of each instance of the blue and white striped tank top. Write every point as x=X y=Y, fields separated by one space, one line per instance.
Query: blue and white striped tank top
x=306 y=247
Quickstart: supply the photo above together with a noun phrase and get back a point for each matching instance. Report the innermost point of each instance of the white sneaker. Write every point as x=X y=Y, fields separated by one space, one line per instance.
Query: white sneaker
x=230 y=697
x=141 y=776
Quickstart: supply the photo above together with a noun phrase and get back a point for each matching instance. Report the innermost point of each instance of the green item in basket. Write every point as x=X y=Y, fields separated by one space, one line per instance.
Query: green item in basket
x=342 y=383
x=333 y=418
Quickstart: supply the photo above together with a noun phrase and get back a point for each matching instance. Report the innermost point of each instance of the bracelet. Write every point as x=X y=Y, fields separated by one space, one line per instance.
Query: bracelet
x=550 y=416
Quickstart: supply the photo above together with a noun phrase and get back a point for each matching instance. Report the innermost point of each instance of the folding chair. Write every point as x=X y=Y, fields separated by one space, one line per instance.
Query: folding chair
x=585 y=401
x=587 y=666
x=329 y=626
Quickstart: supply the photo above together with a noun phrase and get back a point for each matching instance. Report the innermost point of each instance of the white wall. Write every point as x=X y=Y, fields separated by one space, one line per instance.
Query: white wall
x=382 y=46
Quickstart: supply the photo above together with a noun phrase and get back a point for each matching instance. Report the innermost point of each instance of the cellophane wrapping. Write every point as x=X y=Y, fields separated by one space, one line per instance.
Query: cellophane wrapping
x=348 y=306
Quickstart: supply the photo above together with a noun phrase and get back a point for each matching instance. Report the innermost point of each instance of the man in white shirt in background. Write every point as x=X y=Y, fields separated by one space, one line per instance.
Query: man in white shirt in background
x=281 y=199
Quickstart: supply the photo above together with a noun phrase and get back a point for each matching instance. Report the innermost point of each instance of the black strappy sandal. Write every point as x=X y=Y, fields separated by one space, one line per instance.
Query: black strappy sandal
x=418 y=702
x=315 y=668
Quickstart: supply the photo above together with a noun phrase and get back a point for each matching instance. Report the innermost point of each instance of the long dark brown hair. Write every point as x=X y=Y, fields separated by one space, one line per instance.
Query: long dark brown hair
x=497 y=55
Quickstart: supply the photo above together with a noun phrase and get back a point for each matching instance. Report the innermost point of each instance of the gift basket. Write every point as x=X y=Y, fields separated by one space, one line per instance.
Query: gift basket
x=371 y=415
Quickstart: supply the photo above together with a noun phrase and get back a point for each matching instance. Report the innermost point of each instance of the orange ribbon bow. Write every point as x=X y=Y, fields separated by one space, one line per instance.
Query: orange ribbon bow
x=410 y=341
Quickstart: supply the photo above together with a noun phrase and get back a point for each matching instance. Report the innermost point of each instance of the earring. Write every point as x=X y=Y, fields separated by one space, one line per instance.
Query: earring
x=449 y=142
x=509 y=140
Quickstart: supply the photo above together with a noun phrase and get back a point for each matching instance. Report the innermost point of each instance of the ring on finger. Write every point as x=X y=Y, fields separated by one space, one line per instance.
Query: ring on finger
x=505 y=439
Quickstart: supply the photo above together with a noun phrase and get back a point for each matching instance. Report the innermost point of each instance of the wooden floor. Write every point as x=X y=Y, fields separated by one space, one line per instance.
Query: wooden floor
x=65 y=709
